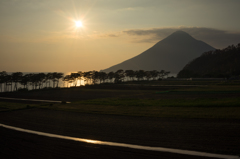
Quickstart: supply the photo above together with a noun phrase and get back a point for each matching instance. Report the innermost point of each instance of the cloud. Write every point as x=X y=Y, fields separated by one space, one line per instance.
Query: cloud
x=107 y=35
x=111 y=35
x=215 y=37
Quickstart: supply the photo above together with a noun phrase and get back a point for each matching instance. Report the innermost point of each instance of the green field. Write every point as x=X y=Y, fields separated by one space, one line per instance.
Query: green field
x=214 y=101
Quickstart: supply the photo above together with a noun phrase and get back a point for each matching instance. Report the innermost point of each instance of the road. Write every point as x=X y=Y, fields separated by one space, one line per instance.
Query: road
x=212 y=136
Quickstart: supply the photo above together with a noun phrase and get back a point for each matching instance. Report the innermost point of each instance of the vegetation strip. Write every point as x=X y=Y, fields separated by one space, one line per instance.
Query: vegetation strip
x=161 y=149
x=35 y=100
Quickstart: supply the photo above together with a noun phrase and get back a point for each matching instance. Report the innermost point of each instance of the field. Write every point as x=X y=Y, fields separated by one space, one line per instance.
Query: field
x=195 y=115
x=171 y=99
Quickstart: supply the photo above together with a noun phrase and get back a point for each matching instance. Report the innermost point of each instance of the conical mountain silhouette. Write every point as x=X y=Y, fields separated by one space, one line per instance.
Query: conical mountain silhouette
x=170 y=54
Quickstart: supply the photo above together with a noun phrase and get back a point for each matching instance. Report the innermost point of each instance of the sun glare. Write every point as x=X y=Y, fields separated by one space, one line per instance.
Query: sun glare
x=78 y=24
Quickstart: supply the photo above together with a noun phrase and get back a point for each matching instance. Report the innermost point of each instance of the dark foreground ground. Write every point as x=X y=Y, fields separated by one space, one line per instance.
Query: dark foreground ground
x=78 y=94
x=207 y=135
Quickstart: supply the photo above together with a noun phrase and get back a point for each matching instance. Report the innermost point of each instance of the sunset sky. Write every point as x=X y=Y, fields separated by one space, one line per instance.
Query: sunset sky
x=41 y=35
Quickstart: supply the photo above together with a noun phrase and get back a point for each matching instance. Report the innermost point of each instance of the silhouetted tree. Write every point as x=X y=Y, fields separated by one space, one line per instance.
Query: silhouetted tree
x=87 y=77
x=16 y=77
x=3 y=75
x=74 y=76
x=154 y=74
x=130 y=74
x=68 y=78
x=103 y=76
x=25 y=80
x=48 y=78
x=110 y=76
x=8 y=82
x=140 y=74
x=33 y=80
x=148 y=75
x=80 y=75
x=119 y=76
x=58 y=77
x=95 y=76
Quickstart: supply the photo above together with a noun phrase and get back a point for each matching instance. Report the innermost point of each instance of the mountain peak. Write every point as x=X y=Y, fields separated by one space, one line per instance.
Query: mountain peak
x=171 y=53
x=180 y=32
x=180 y=35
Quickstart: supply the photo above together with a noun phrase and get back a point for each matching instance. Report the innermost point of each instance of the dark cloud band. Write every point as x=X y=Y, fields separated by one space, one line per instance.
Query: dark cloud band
x=215 y=37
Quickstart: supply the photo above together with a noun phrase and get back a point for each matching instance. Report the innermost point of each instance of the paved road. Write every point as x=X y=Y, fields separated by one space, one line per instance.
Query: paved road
x=214 y=136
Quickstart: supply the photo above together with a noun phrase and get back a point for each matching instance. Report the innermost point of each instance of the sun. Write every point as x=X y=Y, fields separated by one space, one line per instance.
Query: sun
x=78 y=24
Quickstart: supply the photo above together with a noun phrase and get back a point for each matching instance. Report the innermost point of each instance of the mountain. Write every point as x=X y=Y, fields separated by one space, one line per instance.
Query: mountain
x=170 y=54
x=218 y=63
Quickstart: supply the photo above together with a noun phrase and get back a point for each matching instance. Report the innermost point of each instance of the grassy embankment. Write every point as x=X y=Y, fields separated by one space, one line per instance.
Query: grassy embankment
x=212 y=101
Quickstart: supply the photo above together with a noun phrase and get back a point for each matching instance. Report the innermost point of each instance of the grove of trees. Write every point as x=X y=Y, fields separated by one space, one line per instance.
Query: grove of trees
x=96 y=77
x=223 y=63
x=11 y=82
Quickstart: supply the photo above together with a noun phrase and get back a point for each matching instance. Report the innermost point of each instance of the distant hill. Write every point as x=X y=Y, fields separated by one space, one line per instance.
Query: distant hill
x=170 y=54
x=218 y=63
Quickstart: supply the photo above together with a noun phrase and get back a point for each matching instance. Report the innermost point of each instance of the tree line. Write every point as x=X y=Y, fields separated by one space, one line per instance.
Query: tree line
x=95 y=77
x=10 y=82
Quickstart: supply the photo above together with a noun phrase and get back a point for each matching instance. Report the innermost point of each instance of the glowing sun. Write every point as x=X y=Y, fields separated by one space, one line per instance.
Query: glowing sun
x=78 y=24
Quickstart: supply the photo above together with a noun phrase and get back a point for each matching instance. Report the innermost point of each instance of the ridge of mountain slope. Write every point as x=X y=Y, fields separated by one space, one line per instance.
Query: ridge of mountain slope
x=170 y=54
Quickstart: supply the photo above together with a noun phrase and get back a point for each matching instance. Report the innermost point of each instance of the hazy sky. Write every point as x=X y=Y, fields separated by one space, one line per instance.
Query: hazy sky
x=40 y=35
